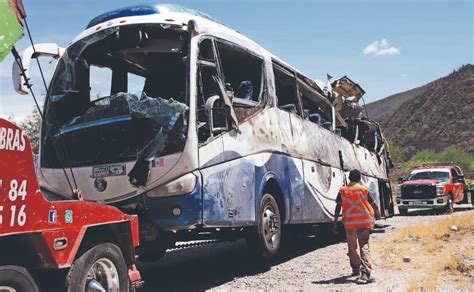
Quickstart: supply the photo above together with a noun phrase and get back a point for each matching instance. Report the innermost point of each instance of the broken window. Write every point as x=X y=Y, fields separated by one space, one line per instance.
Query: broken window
x=286 y=91
x=100 y=84
x=316 y=107
x=90 y=112
x=243 y=76
x=135 y=83
x=207 y=87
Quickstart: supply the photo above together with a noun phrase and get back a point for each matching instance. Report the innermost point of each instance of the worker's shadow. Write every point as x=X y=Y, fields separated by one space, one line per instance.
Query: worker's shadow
x=338 y=280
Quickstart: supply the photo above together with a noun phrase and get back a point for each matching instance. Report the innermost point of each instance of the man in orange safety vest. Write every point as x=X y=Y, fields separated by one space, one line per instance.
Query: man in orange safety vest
x=358 y=210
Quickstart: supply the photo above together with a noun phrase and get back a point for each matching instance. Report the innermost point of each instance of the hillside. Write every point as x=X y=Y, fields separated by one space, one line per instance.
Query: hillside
x=390 y=103
x=434 y=116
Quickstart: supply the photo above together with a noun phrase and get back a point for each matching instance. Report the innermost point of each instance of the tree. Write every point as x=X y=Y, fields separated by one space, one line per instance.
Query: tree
x=31 y=125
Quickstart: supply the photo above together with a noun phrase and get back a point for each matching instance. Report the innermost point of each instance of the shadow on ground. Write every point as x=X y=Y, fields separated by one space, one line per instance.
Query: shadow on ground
x=205 y=267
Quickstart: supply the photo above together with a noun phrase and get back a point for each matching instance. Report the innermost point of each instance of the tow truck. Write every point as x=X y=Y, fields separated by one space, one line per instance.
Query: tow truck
x=41 y=237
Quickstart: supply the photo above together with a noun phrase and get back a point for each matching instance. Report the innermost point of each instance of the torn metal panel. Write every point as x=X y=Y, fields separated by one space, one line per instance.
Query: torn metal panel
x=347 y=88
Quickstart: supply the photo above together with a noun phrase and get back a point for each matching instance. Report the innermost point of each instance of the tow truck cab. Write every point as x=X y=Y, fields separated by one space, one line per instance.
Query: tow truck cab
x=431 y=187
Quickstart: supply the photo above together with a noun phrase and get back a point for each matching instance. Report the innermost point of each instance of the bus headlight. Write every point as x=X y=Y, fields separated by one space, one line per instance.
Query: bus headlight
x=179 y=186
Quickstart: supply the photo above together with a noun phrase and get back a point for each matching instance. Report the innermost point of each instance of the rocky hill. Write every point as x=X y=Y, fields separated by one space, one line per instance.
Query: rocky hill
x=434 y=116
x=387 y=105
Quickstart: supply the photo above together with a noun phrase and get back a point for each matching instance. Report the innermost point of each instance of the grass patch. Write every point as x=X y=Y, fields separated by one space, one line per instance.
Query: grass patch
x=437 y=253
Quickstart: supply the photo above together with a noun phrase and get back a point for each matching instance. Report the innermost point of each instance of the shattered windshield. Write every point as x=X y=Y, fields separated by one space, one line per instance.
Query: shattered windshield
x=113 y=96
x=438 y=175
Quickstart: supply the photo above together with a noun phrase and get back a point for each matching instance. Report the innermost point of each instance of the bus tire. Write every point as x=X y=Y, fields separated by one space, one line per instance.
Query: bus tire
x=17 y=278
x=101 y=265
x=268 y=236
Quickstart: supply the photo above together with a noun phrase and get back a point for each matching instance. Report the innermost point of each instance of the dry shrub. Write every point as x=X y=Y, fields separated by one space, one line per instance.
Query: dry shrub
x=432 y=247
x=436 y=230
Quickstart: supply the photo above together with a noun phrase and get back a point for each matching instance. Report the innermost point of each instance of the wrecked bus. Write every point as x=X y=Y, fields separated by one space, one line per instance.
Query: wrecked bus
x=200 y=131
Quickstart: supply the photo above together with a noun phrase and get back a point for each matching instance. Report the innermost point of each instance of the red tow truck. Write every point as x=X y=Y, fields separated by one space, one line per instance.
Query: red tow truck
x=431 y=187
x=94 y=245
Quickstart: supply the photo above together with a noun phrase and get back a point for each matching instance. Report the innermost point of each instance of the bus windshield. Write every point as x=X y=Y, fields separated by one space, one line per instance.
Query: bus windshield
x=438 y=175
x=113 y=92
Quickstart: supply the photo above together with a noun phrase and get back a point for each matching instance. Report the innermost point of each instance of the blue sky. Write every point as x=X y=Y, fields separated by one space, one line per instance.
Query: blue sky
x=385 y=46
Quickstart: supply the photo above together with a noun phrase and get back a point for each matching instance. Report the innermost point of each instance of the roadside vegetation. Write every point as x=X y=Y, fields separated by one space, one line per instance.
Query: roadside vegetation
x=450 y=154
x=438 y=254
x=404 y=165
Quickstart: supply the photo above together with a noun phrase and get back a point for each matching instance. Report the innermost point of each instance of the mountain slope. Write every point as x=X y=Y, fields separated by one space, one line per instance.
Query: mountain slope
x=436 y=116
x=390 y=103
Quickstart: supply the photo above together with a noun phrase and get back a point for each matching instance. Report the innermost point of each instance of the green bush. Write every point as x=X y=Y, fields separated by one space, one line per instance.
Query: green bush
x=460 y=158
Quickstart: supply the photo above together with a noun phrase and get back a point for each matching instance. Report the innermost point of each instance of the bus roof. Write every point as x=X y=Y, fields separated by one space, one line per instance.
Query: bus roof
x=139 y=10
x=173 y=15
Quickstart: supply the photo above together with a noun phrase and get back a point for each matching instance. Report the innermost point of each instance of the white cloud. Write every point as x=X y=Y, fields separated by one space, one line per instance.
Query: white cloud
x=381 y=48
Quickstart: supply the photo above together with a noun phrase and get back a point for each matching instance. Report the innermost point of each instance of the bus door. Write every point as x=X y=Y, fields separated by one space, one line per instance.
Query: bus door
x=386 y=199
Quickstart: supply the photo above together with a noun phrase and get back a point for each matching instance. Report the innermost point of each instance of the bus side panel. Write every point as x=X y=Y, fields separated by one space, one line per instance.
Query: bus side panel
x=322 y=184
x=228 y=193
x=287 y=172
x=232 y=191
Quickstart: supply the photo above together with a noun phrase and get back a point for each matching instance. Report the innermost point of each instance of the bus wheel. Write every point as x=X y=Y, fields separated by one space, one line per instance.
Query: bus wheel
x=102 y=268
x=449 y=208
x=15 y=278
x=268 y=228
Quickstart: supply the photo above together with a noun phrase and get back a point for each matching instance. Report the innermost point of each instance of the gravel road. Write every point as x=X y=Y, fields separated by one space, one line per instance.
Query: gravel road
x=313 y=263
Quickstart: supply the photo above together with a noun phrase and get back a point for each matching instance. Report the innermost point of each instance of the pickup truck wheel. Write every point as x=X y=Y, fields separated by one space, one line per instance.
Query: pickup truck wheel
x=266 y=241
x=102 y=268
x=449 y=208
x=15 y=278
x=403 y=212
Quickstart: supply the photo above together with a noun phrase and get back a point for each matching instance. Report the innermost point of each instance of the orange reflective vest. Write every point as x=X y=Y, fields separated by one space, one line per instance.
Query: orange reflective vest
x=356 y=209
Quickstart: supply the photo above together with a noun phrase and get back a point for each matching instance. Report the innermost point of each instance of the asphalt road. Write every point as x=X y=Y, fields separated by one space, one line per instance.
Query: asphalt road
x=308 y=263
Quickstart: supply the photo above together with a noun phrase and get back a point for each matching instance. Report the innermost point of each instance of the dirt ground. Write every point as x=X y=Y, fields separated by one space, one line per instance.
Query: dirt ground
x=313 y=263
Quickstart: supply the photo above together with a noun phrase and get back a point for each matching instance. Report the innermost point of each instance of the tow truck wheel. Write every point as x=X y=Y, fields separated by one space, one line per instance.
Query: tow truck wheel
x=15 y=278
x=449 y=208
x=266 y=241
x=102 y=268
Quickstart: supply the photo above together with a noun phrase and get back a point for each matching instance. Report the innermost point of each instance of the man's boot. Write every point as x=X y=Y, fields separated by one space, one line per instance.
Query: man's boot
x=363 y=279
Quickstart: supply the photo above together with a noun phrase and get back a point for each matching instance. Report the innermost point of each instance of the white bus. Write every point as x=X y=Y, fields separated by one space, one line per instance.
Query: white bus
x=169 y=114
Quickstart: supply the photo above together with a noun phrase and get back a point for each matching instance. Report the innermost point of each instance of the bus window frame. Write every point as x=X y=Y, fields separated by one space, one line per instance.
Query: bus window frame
x=290 y=72
x=301 y=82
x=262 y=98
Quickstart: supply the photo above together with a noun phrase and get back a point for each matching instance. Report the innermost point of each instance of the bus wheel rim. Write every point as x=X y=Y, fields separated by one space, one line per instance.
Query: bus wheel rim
x=7 y=289
x=271 y=227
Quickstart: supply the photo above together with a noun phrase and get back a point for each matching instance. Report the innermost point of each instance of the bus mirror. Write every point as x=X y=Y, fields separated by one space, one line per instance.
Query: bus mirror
x=216 y=114
x=40 y=50
x=400 y=180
